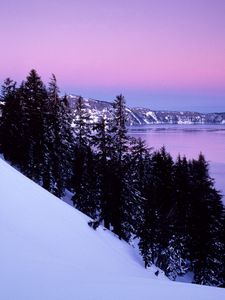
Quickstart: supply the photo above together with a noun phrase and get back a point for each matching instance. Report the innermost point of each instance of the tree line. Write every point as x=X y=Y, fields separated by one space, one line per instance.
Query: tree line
x=170 y=207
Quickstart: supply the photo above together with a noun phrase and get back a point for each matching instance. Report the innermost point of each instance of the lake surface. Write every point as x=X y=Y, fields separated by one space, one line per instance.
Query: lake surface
x=190 y=140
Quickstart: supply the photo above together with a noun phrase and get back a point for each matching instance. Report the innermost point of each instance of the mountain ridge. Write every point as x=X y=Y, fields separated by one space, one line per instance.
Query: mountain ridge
x=146 y=116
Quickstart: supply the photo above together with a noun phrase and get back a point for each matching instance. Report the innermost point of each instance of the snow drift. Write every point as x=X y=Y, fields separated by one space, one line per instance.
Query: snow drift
x=49 y=252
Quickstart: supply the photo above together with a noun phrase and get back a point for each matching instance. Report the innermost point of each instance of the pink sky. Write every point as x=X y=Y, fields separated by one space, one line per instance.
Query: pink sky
x=150 y=50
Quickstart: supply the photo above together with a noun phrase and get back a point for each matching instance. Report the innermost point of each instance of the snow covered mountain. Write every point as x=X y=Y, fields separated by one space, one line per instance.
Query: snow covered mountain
x=49 y=252
x=143 y=116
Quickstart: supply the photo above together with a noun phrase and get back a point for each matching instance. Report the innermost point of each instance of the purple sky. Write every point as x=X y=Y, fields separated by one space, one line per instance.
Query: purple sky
x=163 y=54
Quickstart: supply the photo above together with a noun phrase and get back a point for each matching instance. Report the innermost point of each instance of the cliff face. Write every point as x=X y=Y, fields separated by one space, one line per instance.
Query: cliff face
x=144 y=116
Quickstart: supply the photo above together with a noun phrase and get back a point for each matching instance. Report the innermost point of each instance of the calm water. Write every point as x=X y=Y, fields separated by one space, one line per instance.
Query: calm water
x=190 y=140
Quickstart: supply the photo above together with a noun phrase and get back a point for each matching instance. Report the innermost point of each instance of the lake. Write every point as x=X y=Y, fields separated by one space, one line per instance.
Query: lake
x=189 y=140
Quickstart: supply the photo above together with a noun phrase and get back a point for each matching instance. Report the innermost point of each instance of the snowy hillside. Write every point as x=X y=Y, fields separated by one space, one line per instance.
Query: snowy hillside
x=49 y=252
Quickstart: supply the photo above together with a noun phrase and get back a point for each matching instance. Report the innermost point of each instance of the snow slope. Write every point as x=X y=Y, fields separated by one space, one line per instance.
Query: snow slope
x=48 y=252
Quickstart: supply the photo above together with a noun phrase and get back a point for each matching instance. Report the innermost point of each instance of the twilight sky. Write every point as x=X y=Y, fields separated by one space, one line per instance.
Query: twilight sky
x=162 y=54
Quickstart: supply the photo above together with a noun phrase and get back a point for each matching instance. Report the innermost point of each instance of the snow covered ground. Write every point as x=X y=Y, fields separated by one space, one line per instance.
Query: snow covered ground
x=48 y=252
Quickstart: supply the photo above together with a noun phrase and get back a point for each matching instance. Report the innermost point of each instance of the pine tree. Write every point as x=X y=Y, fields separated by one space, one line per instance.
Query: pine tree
x=141 y=163
x=171 y=258
x=81 y=124
x=148 y=232
x=34 y=102
x=57 y=141
x=118 y=166
x=207 y=226
x=160 y=197
x=139 y=175
x=223 y=243
x=162 y=180
x=153 y=231
x=9 y=125
x=84 y=179
x=179 y=245
x=119 y=130
x=102 y=141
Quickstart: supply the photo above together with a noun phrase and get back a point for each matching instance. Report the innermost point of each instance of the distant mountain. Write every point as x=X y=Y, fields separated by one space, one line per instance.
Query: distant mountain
x=144 y=116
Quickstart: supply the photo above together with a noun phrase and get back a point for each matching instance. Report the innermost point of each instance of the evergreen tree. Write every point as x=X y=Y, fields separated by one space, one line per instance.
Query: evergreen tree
x=207 y=226
x=58 y=142
x=139 y=175
x=102 y=141
x=155 y=231
x=119 y=130
x=161 y=193
x=115 y=189
x=172 y=257
x=8 y=90
x=141 y=163
x=223 y=243
x=9 y=124
x=84 y=179
x=148 y=232
x=179 y=245
x=155 y=228
x=81 y=124
x=34 y=105
x=121 y=195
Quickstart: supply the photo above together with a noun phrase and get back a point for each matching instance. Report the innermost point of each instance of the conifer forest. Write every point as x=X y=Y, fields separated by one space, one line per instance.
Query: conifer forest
x=170 y=208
